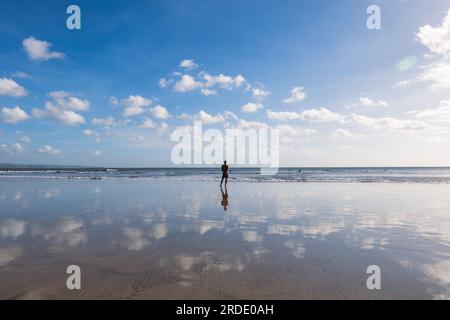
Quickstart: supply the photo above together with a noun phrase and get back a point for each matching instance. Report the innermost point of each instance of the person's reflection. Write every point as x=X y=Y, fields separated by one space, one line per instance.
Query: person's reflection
x=224 y=202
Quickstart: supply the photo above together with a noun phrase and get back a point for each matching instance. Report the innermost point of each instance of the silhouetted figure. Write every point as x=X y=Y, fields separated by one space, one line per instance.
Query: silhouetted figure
x=224 y=201
x=224 y=173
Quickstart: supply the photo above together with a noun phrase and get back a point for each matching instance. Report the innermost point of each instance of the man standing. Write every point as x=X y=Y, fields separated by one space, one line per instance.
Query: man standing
x=224 y=173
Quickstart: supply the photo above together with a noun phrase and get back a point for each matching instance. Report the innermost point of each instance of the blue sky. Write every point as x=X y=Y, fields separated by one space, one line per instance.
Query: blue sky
x=354 y=106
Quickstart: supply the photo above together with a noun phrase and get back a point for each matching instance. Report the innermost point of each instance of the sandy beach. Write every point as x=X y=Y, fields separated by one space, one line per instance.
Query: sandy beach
x=173 y=240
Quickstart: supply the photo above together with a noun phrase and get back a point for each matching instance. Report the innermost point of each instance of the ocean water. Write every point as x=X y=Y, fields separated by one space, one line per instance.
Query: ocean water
x=366 y=175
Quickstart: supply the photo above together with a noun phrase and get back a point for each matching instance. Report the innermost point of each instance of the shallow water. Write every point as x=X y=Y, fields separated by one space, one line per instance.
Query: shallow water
x=173 y=239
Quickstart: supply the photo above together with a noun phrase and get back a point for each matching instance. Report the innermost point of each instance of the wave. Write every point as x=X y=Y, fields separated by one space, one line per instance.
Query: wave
x=294 y=175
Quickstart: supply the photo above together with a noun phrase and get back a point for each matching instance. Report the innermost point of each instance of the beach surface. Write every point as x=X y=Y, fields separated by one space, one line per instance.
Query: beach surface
x=167 y=239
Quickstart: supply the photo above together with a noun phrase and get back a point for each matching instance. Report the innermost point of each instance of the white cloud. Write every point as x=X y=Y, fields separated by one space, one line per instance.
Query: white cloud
x=148 y=124
x=291 y=134
x=49 y=150
x=68 y=101
x=322 y=115
x=389 y=123
x=259 y=93
x=251 y=107
x=160 y=112
x=40 y=50
x=113 y=101
x=11 y=148
x=134 y=105
x=436 y=39
x=107 y=122
x=343 y=133
x=164 y=83
x=297 y=94
x=163 y=127
x=208 y=118
x=188 y=64
x=90 y=133
x=62 y=108
x=282 y=115
x=25 y=139
x=244 y=124
x=222 y=81
x=311 y=115
x=439 y=114
x=21 y=75
x=9 y=87
x=187 y=83
x=98 y=153
x=13 y=115
x=369 y=103
x=208 y=92
x=436 y=74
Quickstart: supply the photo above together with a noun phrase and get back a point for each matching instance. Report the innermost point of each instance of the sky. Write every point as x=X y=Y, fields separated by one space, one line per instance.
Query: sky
x=113 y=92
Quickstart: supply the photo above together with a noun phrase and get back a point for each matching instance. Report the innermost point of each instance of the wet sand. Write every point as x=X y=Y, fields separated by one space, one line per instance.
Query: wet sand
x=174 y=240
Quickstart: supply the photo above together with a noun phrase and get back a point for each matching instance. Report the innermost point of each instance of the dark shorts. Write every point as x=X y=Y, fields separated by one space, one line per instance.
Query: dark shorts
x=225 y=175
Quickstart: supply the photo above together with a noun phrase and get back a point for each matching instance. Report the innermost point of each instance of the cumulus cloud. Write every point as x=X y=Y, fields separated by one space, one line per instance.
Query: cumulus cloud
x=92 y=133
x=251 y=107
x=208 y=118
x=9 y=87
x=369 y=103
x=439 y=114
x=187 y=83
x=343 y=134
x=113 y=101
x=164 y=83
x=208 y=92
x=163 y=127
x=283 y=115
x=223 y=81
x=148 y=124
x=297 y=95
x=311 y=115
x=40 y=50
x=48 y=150
x=188 y=64
x=436 y=74
x=436 y=39
x=106 y=122
x=11 y=148
x=259 y=93
x=68 y=101
x=13 y=115
x=160 y=112
x=387 y=123
x=134 y=105
x=62 y=108
x=245 y=124
x=206 y=83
